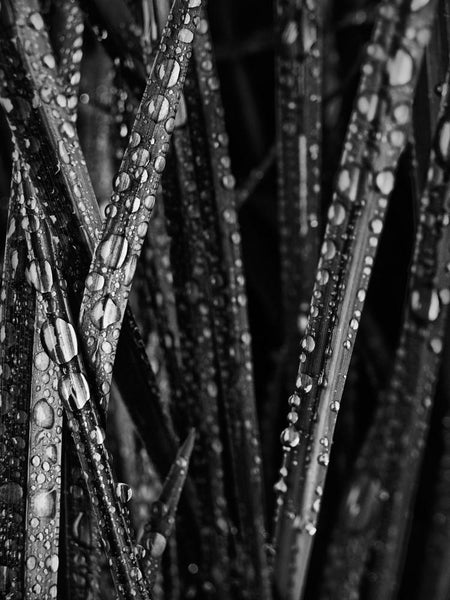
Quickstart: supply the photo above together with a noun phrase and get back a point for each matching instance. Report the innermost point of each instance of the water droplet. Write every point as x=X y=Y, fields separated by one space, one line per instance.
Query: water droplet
x=158 y=108
x=59 y=340
x=41 y=361
x=11 y=492
x=367 y=105
x=400 y=68
x=304 y=382
x=44 y=504
x=122 y=182
x=384 y=181
x=67 y=129
x=294 y=400
x=328 y=250
x=36 y=21
x=141 y=157
x=159 y=164
x=169 y=72
x=123 y=491
x=49 y=61
x=323 y=459
x=41 y=276
x=362 y=502
x=425 y=304
x=336 y=213
x=74 y=390
x=290 y=437
x=105 y=312
x=444 y=141
x=43 y=414
x=185 y=35
x=113 y=251
x=95 y=282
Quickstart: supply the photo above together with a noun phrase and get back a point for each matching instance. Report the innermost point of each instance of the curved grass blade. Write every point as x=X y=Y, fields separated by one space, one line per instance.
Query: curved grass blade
x=299 y=27
x=60 y=345
x=375 y=517
x=376 y=137
x=17 y=304
x=115 y=257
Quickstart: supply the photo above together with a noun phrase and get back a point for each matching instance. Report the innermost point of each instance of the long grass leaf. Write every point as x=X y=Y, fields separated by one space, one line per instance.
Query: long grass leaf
x=299 y=28
x=60 y=345
x=17 y=324
x=376 y=136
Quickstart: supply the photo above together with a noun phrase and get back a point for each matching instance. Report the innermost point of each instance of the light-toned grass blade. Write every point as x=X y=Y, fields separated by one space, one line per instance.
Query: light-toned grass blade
x=60 y=343
x=377 y=507
x=115 y=257
x=376 y=137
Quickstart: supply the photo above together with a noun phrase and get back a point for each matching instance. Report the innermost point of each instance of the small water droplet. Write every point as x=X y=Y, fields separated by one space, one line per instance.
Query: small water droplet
x=290 y=437
x=425 y=304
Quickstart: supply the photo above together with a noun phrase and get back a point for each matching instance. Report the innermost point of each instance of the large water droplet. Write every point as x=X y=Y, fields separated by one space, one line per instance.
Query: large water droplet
x=158 y=108
x=113 y=251
x=59 y=340
x=105 y=312
x=41 y=276
x=74 y=390
x=185 y=35
x=43 y=414
x=290 y=437
x=36 y=21
x=400 y=68
x=44 y=504
x=169 y=71
x=122 y=182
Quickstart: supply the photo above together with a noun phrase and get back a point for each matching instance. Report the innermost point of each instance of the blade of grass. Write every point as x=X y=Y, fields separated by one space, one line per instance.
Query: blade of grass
x=375 y=516
x=60 y=344
x=162 y=523
x=376 y=137
x=299 y=28
x=115 y=257
x=17 y=304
